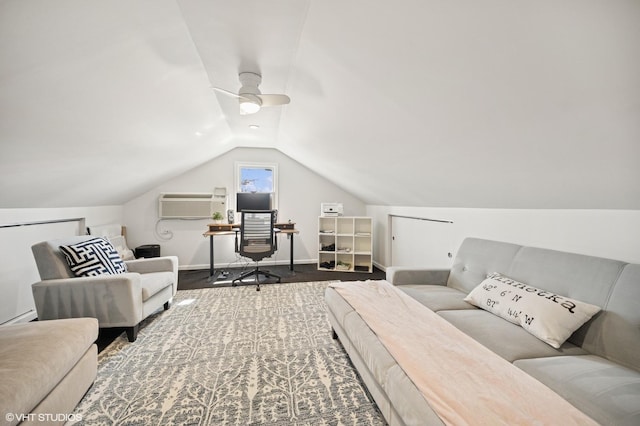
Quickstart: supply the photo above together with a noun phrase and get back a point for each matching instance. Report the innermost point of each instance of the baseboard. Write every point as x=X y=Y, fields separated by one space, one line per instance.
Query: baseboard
x=379 y=266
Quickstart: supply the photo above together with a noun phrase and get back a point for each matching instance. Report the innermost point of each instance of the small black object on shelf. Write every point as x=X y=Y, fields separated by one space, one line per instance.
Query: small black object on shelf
x=148 y=250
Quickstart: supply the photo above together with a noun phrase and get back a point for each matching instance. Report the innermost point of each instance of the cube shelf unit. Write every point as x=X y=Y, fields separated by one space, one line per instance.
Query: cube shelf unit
x=345 y=244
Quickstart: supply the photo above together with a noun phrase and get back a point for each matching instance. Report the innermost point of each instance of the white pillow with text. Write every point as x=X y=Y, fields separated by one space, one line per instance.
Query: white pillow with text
x=548 y=316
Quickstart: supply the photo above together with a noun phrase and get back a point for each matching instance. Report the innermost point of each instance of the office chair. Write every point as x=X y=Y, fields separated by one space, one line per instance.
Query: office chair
x=257 y=241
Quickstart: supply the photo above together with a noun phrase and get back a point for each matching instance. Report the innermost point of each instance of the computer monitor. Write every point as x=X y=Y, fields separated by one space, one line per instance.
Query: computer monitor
x=253 y=201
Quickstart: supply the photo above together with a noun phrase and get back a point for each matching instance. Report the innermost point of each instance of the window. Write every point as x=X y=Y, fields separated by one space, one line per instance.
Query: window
x=258 y=177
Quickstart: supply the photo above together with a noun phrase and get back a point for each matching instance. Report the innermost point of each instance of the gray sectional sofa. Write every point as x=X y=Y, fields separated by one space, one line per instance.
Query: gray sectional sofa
x=597 y=369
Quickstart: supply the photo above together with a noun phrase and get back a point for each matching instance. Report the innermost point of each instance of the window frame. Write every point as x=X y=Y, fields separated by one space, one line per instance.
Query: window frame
x=239 y=165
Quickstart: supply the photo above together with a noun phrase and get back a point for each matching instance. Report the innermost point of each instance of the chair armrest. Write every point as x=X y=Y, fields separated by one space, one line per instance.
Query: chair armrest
x=398 y=275
x=156 y=264
x=115 y=300
x=153 y=264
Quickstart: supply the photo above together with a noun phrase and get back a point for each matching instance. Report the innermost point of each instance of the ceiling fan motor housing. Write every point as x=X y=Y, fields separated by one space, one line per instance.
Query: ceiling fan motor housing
x=249 y=96
x=250 y=82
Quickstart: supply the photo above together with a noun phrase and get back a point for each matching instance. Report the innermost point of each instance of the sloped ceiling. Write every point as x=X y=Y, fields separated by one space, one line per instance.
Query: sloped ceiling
x=496 y=104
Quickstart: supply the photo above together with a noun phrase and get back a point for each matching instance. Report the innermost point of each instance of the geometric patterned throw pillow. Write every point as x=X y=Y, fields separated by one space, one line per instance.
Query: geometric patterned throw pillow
x=93 y=257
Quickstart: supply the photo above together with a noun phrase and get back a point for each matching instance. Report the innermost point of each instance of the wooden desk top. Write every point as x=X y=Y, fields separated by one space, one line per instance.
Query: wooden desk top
x=210 y=233
x=288 y=231
x=236 y=228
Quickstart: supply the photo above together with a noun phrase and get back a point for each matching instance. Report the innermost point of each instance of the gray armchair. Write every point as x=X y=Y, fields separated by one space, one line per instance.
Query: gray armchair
x=121 y=300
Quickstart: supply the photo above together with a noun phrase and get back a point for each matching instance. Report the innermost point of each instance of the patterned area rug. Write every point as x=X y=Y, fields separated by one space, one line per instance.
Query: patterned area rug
x=232 y=356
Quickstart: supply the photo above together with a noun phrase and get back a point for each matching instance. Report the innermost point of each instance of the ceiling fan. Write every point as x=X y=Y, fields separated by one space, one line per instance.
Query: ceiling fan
x=251 y=100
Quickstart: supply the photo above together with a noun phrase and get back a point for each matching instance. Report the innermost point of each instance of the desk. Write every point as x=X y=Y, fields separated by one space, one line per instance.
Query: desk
x=235 y=229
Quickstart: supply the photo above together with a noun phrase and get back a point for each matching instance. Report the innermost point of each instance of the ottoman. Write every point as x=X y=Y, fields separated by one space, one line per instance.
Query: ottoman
x=46 y=367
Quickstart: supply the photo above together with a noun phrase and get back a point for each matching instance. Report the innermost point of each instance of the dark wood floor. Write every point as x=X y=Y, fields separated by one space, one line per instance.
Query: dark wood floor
x=301 y=273
x=194 y=279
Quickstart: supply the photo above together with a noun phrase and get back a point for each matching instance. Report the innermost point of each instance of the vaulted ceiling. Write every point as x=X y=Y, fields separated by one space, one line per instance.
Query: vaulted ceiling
x=501 y=103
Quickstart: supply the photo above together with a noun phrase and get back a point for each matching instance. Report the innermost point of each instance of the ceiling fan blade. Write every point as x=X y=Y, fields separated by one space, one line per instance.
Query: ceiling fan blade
x=274 y=100
x=226 y=92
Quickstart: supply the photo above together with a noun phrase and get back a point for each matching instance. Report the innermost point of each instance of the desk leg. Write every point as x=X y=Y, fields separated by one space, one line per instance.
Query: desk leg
x=291 y=253
x=211 y=257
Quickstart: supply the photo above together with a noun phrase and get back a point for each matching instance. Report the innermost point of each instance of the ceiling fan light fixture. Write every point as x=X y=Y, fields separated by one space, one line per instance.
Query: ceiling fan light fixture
x=248 y=106
x=251 y=100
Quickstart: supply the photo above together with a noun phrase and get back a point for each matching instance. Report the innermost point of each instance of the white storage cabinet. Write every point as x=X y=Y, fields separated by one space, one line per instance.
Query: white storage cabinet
x=345 y=244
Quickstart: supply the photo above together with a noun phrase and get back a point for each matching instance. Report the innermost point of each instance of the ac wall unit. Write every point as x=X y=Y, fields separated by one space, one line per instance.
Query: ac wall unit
x=185 y=206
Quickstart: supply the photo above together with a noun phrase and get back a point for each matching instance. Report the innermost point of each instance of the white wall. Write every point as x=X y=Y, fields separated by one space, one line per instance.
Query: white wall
x=18 y=267
x=300 y=193
x=612 y=234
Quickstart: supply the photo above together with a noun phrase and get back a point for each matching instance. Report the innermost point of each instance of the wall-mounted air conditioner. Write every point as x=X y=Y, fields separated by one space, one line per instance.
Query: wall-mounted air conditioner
x=186 y=205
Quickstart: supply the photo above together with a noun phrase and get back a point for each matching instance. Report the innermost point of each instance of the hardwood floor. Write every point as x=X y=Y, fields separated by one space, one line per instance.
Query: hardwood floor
x=301 y=273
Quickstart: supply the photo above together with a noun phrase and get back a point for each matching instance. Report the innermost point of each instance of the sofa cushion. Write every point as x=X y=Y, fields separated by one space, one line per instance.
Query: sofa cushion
x=476 y=258
x=154 y=282
x=508 y=340
x=615 y=332
x=549 y=316
x=437 y=297
x=607 y=392
x=93 y=257
x=36 y=356
x=586 y=278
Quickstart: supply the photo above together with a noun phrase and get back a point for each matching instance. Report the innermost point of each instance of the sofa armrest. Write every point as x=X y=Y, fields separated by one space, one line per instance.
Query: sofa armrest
x=398 y=275
x=115 y=300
